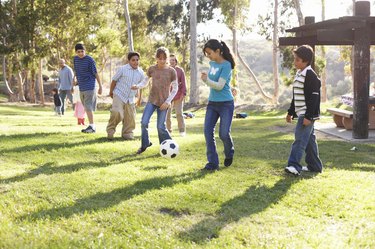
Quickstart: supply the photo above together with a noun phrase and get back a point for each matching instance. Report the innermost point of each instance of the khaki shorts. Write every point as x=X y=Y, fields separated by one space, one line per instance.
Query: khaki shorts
x=88 y=99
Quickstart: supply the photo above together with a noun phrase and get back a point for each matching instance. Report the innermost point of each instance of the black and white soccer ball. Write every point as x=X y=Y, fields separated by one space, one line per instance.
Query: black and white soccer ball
x=169 y=148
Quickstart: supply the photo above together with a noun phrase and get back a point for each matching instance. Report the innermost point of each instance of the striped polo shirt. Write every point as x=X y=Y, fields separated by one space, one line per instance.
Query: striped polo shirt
x=125 y=77
x=85 y=70
x=298 y=91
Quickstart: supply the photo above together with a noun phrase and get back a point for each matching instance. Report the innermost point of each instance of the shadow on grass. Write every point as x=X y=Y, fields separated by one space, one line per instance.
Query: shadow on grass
x=255 y=200
x=47 y=146
x=49 y=168
x=105 y=200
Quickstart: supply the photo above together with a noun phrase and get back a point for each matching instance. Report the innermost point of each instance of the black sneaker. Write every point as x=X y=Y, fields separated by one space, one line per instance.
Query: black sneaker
x=141 y=150
x=210 y=167
x=228 y=162
x=89 y=129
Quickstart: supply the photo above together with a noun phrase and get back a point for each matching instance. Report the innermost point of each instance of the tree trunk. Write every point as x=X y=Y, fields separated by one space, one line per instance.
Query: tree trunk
x=274 y=54
x=297 y=6
x=324 y=73
x=32 y=87
x=264 y=94
x=194 y=93
x=234 y=43
x=9 y=90
x=129 y=24
x=41 y=87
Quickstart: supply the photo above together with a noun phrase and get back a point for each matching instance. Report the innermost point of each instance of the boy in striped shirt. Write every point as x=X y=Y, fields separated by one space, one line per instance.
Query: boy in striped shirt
x=123 y=105
x=305 y=106
x=87 y=75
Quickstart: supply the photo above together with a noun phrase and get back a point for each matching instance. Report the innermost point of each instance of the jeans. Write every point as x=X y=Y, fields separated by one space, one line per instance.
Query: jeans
x=63 y=94
x=214 y=111
x=162 y=130
x=305 y=141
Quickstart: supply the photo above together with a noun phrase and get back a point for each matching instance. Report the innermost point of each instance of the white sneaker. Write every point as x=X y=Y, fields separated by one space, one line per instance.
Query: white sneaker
x=182 y=134
x=292 y=170
x=304 y=168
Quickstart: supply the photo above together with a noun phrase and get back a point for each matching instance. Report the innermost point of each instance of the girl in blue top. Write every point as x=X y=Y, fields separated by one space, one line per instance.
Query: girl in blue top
x=220 y=102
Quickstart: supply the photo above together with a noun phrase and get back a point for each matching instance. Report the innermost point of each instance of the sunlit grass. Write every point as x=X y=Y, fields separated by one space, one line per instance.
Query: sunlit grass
x=64 y=189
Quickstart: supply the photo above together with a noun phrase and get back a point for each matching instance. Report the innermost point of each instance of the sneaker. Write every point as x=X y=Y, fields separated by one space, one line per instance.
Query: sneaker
x=305 y=168
x=89 y=129
x=292 y=170
x=228 y=162
x=141 y=150
x=210 y=167
x=182 y=134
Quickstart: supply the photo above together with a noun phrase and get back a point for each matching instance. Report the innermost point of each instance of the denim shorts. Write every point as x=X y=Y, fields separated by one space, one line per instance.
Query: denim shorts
x=88 y=99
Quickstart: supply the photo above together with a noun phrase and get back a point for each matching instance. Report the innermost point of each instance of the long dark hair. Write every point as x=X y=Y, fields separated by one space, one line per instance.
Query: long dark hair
x=215 y=44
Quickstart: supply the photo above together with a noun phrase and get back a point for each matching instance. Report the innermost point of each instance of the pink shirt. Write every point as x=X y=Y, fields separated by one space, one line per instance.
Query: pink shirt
x=181 y=83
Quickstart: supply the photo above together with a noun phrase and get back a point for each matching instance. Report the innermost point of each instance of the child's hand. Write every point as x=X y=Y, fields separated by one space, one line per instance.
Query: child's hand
x=134 y=87
x=288 y=118
x=100 y=90
x=111 y=94
x=164 y=106
x=306 y=122
x=204 y=76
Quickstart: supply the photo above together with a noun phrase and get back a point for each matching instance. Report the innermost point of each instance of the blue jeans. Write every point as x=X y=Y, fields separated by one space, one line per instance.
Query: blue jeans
x=214 y=111
x=63 y=94
x=305 y=142
x=162 y=130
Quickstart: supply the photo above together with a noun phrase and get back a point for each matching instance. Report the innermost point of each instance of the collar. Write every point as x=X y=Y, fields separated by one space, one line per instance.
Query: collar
x=304 y=71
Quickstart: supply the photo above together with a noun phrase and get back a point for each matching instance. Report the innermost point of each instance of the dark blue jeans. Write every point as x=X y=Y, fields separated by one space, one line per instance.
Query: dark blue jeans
x=224 y=111
x=305 y=142
x=162 y=130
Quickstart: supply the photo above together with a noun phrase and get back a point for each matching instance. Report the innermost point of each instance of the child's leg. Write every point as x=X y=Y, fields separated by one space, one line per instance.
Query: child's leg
x=209 y=133
x=147 y=113
x=128 y=123
x=312 y=155
x=301 y=139
x=226 y=116
x=116 y=116
x=163 y=133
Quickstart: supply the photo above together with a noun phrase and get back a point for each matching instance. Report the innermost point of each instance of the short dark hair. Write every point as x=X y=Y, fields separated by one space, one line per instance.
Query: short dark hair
x=305 y=52
x=79 y=46
x=162 y=50
x=175 y=57
x=55 y=90
x=131 y=54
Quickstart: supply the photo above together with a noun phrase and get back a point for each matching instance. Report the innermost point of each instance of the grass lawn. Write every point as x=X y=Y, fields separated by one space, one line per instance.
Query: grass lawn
x=63 y=189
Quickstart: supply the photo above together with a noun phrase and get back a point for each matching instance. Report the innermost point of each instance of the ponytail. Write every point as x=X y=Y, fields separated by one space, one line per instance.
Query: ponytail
x=225 y=51
x=227 y=54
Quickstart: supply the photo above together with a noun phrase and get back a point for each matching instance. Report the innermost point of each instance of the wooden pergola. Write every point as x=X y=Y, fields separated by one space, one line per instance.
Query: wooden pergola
x=358 y=31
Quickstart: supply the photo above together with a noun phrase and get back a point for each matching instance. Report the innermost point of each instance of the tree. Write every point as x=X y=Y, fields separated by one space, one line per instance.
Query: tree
x=129 y=24
x=275 y=53
x=194 y=93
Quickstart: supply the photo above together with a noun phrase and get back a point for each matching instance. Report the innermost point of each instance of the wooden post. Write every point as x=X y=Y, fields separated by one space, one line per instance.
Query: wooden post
x=361 y=77
x=311 y=20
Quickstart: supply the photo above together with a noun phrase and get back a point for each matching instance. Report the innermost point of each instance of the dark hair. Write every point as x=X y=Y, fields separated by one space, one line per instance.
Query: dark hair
x=175 y=57
x=79 y=46
x=131 y=54
x=162 y=50
x=305 y=52
x=55 y=90
x=215 y=45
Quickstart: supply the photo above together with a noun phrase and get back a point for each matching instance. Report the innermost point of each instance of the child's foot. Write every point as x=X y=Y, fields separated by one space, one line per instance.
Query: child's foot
x=141 y=150
x=210 y=167
x=292 y=170
x=228 y=162
x=89 y=129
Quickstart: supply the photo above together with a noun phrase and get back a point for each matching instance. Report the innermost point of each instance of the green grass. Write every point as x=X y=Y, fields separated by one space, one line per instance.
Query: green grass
x=63 y=189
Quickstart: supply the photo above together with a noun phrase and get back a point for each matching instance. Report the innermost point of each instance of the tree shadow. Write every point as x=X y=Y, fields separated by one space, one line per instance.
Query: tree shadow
x=50 y=168
x=46 y=146
x=256 y=200
x=101 y=201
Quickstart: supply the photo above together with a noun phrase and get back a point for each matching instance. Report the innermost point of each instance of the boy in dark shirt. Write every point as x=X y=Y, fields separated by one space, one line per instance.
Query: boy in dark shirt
x=57 y=101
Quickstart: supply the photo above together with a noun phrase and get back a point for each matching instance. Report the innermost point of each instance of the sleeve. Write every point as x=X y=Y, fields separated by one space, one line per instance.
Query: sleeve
x=224 y=76
x=312 y=94
x=145 y=79
x=93 y=66
x=291 y=110
x=174 y=86
x=71 y=76
x=117 y=75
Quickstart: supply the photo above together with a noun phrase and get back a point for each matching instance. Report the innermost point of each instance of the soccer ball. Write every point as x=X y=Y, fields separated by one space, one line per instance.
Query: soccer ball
x=169 y=148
